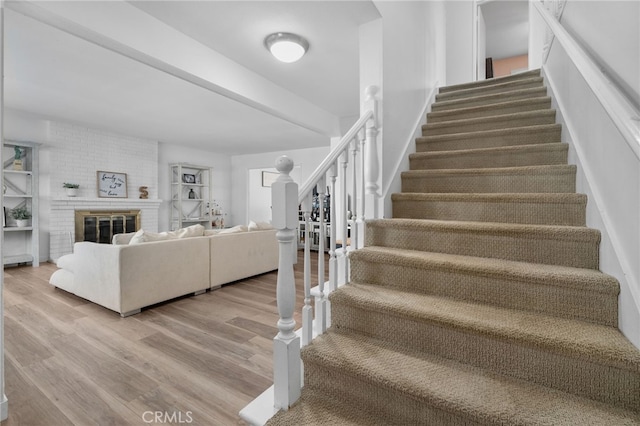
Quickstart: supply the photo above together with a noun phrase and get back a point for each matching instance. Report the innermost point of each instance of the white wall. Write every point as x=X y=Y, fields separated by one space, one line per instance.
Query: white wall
x=614 y=20
x=459 y=36
x=220 y=163
x=306 y=159
x=410 y=74
x=608 y=169
x=482 y=46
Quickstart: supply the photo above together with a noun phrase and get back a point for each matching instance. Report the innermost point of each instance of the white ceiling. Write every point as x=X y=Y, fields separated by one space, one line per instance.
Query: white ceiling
x=507 y=24
x=56 y=75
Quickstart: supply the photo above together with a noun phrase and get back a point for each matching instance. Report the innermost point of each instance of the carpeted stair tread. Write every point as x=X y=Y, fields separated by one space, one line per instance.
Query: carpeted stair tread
x=554 y=245
x=414 y=388
x=493 y=98
x=597 y=343
x=491 y=81
x=566 y=292
x=502 y=121
x=508 y=107
x=566 y=209
x=526 y=83
x=526 y=135
x=504 y=156
x=318 y=408
x=539 y=179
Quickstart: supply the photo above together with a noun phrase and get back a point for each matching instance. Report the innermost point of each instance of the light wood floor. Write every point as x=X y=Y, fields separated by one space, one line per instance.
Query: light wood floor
x=200 y=358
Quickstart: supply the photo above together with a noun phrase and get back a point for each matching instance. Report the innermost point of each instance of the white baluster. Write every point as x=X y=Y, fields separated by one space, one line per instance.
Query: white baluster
x=286 y=345
x=307 y=310
x=333 y=266
x=354 y=195
x=372 y=170
x=320 y=296
x=344 y=161
x=361 y=215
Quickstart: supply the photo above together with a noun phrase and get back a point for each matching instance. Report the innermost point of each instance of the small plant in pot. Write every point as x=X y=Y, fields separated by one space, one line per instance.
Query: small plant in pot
x=71 y=189
x=22 y=216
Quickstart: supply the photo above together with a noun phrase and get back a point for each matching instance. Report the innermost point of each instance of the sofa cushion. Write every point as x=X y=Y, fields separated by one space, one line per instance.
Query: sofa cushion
x=120 y=239
x=259 y=226
x=66 y=262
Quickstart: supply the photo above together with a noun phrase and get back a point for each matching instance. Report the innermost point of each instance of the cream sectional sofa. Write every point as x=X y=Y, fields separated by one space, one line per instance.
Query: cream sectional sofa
x=126 y=277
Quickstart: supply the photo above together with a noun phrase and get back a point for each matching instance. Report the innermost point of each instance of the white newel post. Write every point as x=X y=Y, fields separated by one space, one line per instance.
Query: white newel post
x=286 y=345
x=372 y=163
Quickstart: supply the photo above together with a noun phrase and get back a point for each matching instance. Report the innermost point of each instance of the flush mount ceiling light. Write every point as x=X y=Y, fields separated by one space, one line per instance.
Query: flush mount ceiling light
x=286 y=47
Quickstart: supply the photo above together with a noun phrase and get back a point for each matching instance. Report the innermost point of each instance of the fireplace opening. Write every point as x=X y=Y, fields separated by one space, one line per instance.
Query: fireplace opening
x=100 y=226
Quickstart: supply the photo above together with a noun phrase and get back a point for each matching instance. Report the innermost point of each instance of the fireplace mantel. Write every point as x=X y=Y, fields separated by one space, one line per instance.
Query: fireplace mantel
x=75 y=201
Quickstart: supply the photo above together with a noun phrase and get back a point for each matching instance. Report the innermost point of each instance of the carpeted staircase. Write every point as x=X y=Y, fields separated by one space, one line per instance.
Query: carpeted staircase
x=481 y=301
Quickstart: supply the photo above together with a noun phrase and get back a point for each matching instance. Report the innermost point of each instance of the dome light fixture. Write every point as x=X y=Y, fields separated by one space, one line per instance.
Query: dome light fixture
x=286 y=47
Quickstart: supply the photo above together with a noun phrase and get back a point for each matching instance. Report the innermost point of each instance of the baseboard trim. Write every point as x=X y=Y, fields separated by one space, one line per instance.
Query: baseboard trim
x=260 y=410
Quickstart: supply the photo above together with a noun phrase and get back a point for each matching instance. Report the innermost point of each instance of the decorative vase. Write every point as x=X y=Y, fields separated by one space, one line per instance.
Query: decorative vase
x=71 y=192
x=22 y=223
x=192 y=195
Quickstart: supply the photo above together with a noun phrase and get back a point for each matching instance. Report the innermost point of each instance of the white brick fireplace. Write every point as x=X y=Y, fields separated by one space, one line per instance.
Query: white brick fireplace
x=75 y=154
x=62 y=219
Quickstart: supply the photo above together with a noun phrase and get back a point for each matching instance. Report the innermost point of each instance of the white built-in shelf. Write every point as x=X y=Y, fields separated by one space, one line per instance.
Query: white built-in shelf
x=18 y=258
x=21 y=244
x=183 y=209
x=18 y=172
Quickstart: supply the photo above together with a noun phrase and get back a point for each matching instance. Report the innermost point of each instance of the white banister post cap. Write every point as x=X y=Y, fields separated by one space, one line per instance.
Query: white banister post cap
x=284 y=196
x=284 y=164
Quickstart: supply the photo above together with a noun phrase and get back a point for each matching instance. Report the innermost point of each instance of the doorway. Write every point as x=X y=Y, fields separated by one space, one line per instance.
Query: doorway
x=501 y=35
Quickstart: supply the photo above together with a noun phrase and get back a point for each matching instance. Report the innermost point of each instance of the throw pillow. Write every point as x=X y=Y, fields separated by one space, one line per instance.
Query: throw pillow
x=259 y=226
x=138 y=237
x=66 y=262
x=189 y=231
x=119 y=239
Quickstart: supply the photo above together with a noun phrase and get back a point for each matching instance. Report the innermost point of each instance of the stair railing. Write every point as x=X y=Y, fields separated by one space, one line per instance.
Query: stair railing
x=359 y=143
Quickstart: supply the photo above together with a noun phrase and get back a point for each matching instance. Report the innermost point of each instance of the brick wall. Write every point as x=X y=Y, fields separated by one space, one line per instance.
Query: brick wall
x=74 y=155
x=79 y=152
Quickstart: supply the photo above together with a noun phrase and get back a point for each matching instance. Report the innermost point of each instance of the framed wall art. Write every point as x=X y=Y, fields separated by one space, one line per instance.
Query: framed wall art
x=188 y=178
x=112 y=185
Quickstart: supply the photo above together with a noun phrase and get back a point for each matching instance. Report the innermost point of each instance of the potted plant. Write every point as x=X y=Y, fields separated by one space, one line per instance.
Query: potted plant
x=71 y=189
x=22 y=216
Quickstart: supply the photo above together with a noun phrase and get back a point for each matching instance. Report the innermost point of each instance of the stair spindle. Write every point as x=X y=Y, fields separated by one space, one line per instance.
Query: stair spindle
x=307 y=310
